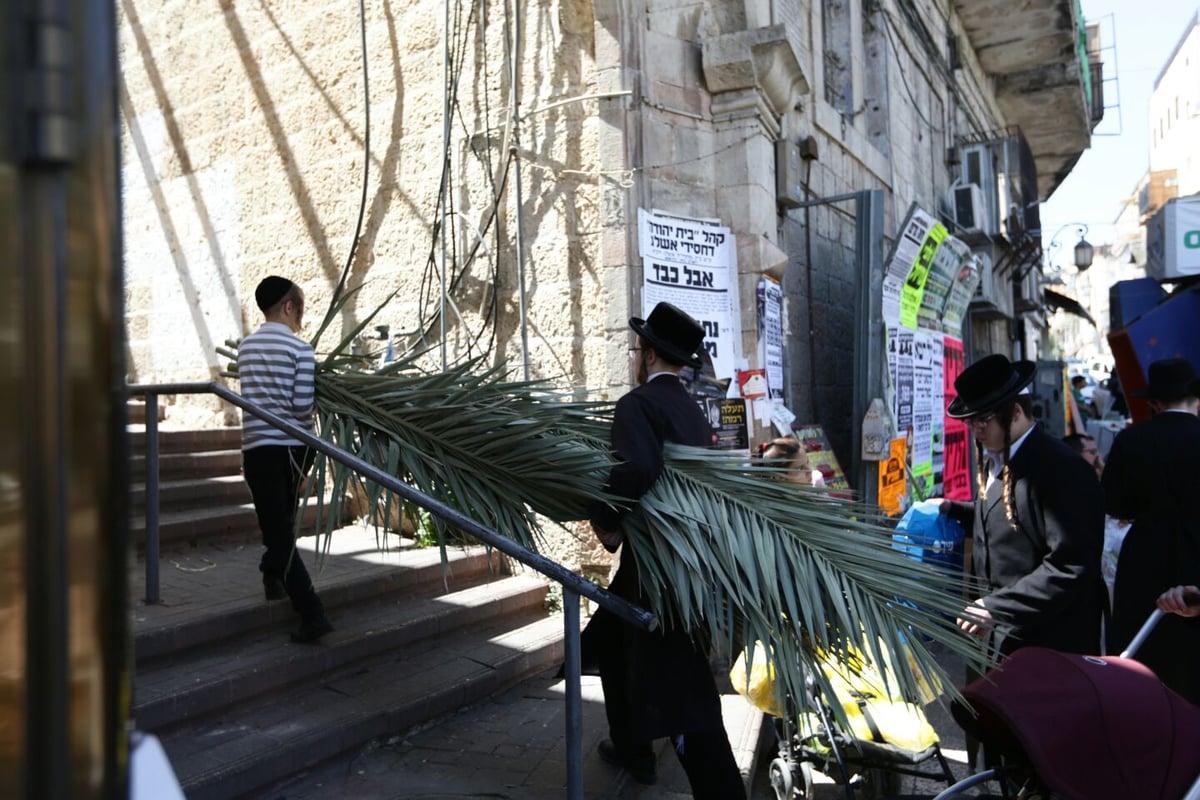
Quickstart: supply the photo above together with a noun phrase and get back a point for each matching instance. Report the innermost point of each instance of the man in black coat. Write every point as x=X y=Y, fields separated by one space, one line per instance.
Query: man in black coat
x=1037 y=522
x=1152 y=479
x=656 y=684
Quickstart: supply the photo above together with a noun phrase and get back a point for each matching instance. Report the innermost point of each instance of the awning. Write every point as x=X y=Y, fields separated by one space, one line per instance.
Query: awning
x=1056 y=300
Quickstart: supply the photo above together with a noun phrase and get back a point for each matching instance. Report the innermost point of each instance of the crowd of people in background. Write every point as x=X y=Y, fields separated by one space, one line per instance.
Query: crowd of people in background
x=1054 y=522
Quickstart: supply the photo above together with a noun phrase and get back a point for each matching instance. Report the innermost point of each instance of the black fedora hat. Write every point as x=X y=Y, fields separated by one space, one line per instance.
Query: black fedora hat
x=672 y=333
x=987 y=383
x=1170 y=379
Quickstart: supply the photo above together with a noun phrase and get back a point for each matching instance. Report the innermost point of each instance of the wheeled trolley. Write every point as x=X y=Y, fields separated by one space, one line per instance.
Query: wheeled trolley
x=1082 y=728
x=886 y=739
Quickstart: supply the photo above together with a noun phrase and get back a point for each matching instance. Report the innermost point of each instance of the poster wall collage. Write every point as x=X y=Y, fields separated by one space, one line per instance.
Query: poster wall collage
x=692 y=263
x=928 y=285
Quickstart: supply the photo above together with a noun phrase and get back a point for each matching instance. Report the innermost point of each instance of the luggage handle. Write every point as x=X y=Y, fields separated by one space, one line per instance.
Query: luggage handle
x=1148 y=627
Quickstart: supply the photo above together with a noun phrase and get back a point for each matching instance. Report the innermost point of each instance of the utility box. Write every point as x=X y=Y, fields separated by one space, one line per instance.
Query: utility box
x=789 y=169
x=1049 y=402
x=1173 y=240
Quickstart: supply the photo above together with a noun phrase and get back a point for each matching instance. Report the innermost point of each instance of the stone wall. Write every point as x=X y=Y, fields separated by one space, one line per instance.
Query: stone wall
x=244 y=135
x=244 y=147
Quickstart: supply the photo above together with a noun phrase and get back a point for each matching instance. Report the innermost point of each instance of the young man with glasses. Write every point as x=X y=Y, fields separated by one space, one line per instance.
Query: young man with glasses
x=1037 y=522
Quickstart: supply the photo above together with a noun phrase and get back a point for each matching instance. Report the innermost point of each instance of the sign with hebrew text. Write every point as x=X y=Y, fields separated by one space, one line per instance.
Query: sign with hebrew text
x=691 y=264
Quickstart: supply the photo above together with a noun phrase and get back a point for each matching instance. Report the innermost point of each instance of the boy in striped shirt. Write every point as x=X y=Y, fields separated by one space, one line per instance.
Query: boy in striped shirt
x=277 y=372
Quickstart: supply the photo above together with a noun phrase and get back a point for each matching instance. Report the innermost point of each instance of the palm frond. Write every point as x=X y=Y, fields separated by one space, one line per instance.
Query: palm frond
x=810 y=576
x=723 y=546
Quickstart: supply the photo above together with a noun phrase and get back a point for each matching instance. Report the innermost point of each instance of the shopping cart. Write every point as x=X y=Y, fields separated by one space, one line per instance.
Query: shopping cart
x=1082 y=728
x=881 y=740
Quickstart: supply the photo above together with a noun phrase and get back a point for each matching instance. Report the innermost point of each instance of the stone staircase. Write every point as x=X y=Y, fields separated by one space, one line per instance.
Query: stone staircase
x=237 y=706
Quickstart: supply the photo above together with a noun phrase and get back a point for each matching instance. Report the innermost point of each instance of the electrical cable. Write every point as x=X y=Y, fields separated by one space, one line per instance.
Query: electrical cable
x=362 y=205
x=904 y=77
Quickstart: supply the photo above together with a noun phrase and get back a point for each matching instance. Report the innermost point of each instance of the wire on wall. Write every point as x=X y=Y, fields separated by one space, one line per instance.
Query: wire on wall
x=366 y=175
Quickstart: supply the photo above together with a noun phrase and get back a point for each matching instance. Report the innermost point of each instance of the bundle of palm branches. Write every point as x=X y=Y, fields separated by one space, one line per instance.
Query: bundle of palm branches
x=725 y=548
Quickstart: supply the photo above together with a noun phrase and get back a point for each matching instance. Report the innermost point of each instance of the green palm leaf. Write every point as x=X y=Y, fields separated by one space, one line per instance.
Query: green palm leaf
x=724 y=547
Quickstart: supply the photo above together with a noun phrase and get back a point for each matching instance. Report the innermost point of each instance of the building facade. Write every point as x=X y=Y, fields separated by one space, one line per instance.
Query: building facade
x=486 y=164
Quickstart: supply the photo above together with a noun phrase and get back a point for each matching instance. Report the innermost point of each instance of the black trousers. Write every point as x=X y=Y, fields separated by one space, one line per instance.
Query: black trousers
x=705 y=756
x=274 y=473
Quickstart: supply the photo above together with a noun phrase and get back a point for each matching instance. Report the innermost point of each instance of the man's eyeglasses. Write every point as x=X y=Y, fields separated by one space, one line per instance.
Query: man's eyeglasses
x=982 y=420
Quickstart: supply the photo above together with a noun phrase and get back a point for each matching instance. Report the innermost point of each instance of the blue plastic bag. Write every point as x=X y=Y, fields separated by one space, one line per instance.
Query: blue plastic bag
x=929 y=536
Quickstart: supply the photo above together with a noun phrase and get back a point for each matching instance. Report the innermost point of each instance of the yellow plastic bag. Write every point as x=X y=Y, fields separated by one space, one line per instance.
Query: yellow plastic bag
x=759 y=686
x=874 y=709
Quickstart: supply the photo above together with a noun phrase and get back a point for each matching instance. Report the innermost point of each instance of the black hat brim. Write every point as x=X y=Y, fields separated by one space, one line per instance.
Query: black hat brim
x=1023 y=373
x=663 y=347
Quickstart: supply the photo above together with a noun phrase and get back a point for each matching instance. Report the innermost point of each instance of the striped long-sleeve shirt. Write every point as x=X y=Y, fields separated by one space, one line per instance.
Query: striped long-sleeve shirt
x=277 y=371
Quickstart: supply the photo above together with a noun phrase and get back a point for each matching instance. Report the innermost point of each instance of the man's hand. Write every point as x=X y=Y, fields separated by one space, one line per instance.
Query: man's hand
x=1181 y=600
x=976 y=619
x=610 y=539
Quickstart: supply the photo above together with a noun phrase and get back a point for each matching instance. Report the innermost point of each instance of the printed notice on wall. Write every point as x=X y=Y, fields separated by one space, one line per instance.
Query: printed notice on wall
x=903 y=268
x=921 y=452
x=900 y=350
x=770 y=333
x=891 y=479
x=956 y=472
x=941 y=283
x=727 y=418
x=691 y=263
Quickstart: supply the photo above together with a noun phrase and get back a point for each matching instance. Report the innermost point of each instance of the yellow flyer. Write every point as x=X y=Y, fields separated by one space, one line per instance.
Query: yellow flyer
x=914 y=285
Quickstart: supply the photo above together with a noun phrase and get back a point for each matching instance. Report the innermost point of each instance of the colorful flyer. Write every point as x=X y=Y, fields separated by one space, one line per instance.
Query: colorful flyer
x=821 y=456
x=892 y=483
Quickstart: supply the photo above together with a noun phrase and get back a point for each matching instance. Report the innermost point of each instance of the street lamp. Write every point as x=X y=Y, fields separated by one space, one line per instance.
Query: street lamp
x=1083 y=250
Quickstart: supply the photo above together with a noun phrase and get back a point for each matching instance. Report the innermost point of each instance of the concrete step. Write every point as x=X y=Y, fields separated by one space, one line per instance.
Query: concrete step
x=237 y=670
x=218 y=522
x=136 y=409
x=189 y=493
x=186 y=441
x=215 y=593
x=180 y=466
x=258 y=743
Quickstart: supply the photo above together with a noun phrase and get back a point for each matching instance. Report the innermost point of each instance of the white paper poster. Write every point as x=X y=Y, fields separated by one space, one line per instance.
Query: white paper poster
x=923 y=397
x=905 y=254
x=691 y=264
x=770 y=333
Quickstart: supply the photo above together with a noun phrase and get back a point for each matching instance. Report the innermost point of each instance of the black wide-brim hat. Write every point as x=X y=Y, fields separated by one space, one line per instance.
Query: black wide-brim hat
x=1170 y=379
x=989 y=382
x=672 y=333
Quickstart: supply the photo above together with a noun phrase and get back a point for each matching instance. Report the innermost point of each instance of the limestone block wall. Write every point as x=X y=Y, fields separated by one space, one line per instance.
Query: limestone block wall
x=244 y=129
x=244 y=144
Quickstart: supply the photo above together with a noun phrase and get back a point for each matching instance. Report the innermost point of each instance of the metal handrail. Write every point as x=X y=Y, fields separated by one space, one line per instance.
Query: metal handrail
x=573 y=585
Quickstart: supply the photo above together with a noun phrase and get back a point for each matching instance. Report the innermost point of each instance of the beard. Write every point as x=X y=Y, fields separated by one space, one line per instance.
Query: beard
x=641 y=371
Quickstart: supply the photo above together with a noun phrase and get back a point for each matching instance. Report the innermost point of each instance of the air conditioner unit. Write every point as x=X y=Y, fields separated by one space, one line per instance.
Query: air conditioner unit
x=994 y=295
x=979 y=168
x=970 y=214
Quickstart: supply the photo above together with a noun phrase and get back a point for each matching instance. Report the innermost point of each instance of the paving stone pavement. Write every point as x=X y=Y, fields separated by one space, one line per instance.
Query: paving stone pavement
x=512 y=748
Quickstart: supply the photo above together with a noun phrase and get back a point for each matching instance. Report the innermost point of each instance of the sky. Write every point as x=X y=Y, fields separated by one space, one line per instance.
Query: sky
x=1144 y=33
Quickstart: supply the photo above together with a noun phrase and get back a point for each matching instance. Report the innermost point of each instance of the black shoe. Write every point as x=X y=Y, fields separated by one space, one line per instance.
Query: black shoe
x=641 y=769
x=311 y=630
x=273 y=587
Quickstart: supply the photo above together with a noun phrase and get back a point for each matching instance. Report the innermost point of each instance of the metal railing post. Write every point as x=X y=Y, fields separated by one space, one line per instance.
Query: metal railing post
x=571 y=669
x=151 y=484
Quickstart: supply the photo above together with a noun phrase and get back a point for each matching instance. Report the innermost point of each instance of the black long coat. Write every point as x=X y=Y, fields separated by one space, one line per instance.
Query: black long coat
x=1041 y=570
x=670 y=684
x=1152 y=478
